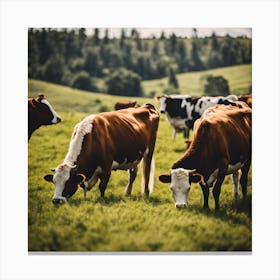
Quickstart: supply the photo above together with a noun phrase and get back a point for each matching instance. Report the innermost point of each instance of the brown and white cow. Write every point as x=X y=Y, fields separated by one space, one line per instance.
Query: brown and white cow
x=40 y=112
x=221 y=146
x=126 y=104
x=105 y=142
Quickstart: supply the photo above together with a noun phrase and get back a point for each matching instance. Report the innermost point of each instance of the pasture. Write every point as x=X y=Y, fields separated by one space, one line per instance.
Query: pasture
x=117 y=222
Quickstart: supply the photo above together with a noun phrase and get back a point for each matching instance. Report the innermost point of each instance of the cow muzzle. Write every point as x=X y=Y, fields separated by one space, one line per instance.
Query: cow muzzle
x=57 y=201
x=180 y=205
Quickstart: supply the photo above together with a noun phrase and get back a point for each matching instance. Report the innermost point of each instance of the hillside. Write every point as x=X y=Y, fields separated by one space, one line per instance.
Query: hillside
x=67 y=99
x=239 y=77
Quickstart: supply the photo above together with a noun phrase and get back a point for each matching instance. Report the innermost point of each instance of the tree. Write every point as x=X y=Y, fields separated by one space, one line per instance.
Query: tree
x=196 y=61
x=92 y=63
x=82 y=80
x=124 y=82
x=214 y=42
x=96 y=36
x=53 y=70
x=216 y=85
x=172 y=80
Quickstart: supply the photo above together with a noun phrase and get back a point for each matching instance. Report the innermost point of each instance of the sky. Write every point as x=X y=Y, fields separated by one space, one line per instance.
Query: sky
x=201 y=32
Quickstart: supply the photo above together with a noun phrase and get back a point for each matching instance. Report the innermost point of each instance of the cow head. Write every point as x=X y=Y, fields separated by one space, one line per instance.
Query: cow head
x=66 y=181
x=163 y=102
x=180 y=180
x=46 y=115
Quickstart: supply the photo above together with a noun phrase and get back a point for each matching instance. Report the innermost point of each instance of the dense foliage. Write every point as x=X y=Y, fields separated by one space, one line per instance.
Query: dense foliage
x=59 y=55
x=216 y=85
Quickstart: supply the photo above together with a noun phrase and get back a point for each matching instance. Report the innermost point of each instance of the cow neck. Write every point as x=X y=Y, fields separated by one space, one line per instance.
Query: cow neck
x=191 y=159
x=32 y=123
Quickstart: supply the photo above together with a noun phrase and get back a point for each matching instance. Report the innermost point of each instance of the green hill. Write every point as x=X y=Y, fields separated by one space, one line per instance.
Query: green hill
x=239 y=77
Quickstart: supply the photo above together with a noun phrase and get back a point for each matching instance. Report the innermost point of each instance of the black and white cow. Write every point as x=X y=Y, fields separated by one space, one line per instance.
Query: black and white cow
x=183 y=110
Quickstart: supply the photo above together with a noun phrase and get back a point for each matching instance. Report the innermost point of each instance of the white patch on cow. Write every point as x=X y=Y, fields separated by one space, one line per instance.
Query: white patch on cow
x=232 y=169
x=212 y=177
x=162 y=102
x=75 y=147
x=232 y=97
x=176 y=122
x=55 y=115
x=235 y=178
x=62 y=174
x=124 y=165
x=180 y=186
x=94 y=178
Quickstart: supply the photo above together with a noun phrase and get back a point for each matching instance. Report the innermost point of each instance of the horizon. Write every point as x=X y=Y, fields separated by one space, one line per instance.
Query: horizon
x=179 y=32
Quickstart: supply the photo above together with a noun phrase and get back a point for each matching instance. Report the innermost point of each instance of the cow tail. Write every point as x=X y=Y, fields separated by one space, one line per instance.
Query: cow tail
x=151 y=178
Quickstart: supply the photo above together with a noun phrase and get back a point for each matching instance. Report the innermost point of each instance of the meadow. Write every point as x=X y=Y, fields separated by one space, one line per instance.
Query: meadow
x=118 y=222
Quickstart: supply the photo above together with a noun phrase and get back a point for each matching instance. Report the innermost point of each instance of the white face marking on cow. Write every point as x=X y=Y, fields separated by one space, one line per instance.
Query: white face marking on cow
x=56 y=117
x=180 y=186
x=62 y=174
x=162 y=101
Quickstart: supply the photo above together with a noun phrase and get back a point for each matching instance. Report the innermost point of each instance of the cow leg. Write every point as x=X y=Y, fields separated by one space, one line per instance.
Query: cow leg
x=187 y=132
x=174 y=133
x=217 y=189
x=235 y=177
x=104 y=179
x=205 y=191
x=147 y=174
x=132 y=176
x=244 y=177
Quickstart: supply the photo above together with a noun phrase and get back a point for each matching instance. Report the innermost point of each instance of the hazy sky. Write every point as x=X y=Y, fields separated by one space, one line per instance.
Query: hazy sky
x=201 y=32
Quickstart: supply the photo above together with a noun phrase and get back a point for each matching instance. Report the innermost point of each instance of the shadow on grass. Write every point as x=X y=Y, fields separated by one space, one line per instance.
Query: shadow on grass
x=227 y=212
x=116 y=199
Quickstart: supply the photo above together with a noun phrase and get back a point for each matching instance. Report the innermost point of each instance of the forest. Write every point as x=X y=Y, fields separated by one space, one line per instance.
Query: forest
x=118 y=65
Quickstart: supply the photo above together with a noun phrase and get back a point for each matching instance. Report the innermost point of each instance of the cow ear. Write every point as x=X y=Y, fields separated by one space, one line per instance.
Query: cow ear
x=34 y=102
x=40 y=97
x=165 y=178
x=196 y=178
x=79 y=178
x=49 y=178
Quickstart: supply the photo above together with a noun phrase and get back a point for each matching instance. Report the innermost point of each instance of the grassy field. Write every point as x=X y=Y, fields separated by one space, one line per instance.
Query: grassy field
x=120 y=223
x=239 y=78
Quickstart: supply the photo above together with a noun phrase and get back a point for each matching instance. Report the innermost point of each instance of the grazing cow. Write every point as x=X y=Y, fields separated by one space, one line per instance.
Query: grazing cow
x=221 y=146
x=105 y=142
x=126 y=104
x=40 y=112
x=247 y=99
x=183 y=110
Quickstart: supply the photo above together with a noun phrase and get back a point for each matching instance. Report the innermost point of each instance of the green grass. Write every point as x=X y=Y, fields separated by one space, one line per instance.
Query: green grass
x=118 y=222
x=239 y=77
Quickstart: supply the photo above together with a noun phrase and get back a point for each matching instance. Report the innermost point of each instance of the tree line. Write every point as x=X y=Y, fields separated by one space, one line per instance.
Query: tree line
x=72 y=58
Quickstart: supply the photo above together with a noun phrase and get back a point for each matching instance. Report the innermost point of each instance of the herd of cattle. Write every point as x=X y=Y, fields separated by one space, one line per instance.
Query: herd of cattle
x=121 y=139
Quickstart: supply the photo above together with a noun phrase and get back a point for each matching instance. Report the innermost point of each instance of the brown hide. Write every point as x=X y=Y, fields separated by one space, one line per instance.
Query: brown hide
x=116 y=138
x=126 y=104
x=247 y=99
x=222 y=136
